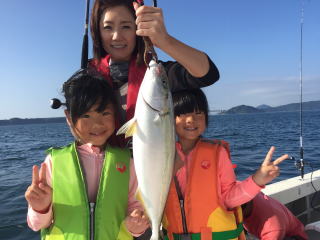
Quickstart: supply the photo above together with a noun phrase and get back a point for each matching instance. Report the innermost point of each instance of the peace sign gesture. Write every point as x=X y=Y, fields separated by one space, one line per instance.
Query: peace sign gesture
x=39 y=193
x=268 y=170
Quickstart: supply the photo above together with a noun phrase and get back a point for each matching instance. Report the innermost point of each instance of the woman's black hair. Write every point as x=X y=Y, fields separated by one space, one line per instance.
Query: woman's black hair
x=98 y=8
x=190 y=100
x=84 y=89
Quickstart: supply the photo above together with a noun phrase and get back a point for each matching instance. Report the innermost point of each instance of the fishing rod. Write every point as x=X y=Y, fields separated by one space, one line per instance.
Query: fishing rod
x=84 y=55
x=301 y=138
x=300 y=163
x=54 y=102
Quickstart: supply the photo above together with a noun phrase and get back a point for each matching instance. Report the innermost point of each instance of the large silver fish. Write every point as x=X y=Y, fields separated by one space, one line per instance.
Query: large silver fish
x=153 y=139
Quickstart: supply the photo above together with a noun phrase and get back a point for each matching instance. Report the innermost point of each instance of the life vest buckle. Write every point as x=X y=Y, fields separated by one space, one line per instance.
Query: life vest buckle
x=185 y=236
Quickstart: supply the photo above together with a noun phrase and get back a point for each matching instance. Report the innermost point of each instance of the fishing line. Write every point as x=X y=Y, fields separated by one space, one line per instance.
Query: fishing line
x=149 y=52
x=314 y=207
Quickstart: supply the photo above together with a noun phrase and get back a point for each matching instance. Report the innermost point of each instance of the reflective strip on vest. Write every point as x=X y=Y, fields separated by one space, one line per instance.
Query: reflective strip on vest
x=227 y=235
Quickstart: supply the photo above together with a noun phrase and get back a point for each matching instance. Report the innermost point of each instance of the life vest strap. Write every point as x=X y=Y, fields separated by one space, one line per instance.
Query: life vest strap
x=215 y=235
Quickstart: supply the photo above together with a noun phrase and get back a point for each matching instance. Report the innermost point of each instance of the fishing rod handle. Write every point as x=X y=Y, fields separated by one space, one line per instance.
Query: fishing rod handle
x=141 y=2
x=84 y=55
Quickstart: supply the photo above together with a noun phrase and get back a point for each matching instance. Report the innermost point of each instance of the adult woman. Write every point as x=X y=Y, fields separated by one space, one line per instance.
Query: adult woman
x=117 y=28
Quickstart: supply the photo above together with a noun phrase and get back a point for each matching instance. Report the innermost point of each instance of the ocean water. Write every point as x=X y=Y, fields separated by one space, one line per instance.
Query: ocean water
x=250 y=137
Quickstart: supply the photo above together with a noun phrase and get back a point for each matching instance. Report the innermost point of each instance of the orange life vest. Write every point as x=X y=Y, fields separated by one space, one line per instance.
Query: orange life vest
x=205 y=218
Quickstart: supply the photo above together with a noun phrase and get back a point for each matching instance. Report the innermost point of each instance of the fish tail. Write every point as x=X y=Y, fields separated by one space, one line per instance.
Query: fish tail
x=155 y=234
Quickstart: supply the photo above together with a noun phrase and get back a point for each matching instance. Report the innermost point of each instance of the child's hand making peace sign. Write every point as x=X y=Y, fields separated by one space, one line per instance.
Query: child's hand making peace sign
x=39 y=193
x=268 y=170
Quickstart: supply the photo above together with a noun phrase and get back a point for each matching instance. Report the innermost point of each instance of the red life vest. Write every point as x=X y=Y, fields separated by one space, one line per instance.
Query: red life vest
x=135 y=77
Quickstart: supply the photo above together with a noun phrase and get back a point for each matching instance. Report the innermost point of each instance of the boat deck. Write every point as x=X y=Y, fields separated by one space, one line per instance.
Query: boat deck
x=301 y=196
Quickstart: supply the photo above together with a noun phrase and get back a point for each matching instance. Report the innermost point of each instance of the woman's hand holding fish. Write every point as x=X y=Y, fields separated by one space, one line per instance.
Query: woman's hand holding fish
x=39 y=193
x=150 y=24
x=268 y=170
x=137 y=222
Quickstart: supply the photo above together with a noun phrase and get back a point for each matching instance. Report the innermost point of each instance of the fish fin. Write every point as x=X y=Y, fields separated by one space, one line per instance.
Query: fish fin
x=129 y=128
x=161 y=114
x=156 y=118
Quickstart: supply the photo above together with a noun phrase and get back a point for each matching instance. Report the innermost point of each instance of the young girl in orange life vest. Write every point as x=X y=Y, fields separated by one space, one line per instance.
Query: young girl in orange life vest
x=204 y=198
x=86 y=190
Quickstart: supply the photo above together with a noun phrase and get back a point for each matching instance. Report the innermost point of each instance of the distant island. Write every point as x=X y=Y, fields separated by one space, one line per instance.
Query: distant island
x=241 y=109
x=18 y=121
x=292 y=107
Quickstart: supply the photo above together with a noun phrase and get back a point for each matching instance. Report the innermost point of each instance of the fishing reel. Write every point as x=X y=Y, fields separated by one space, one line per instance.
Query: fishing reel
x=299 y=163
x=55 y=103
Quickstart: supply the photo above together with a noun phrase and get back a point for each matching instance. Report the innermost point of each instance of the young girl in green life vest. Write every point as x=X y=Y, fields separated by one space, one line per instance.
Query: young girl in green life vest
x=86 y=190
x=204 y=197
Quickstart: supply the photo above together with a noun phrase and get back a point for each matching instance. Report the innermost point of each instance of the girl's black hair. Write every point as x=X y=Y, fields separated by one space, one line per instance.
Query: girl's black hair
x=84 y=89
x=190 y=100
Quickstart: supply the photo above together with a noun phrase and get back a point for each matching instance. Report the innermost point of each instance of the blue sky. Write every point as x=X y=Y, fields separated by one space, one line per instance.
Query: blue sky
x=255 y=45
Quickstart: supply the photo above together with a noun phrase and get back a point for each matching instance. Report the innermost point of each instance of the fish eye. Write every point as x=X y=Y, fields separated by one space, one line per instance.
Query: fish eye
x=165 y=83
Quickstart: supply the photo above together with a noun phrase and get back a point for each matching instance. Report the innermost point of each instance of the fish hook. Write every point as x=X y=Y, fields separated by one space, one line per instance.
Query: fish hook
x=149 y=52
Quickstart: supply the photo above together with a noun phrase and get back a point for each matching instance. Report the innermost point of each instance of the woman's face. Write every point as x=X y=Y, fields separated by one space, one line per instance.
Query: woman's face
x=118 y=33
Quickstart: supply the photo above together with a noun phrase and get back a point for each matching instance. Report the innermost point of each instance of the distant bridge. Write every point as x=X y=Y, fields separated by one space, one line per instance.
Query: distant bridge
x=216 y=111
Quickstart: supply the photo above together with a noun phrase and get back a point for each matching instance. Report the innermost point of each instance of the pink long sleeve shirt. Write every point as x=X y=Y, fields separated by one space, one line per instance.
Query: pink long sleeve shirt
x=231 y=193
x=271 y=220
x=91 y=160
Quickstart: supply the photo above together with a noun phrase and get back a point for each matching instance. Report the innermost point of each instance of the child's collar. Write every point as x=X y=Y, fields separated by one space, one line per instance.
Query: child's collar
x=90 y=148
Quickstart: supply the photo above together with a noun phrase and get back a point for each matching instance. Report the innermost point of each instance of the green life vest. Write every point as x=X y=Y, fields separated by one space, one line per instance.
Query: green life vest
x=71 y=208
